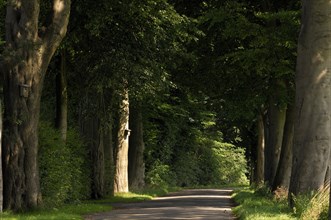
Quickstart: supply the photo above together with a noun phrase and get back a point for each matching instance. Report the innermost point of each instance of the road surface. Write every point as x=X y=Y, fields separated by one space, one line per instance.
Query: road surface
x=203 y=204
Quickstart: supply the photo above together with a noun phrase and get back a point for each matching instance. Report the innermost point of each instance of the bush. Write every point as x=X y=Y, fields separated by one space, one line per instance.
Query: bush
x=187 y=169
x=63 y=169
x=222 y=163
x=160 y=176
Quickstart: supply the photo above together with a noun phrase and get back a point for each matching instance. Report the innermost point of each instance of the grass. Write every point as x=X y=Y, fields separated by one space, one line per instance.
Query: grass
x=77 y=211
x=253 y=205
x=72 y=212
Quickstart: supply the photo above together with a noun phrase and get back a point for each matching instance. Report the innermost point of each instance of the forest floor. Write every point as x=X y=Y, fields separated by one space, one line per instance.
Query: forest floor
x=204 y=204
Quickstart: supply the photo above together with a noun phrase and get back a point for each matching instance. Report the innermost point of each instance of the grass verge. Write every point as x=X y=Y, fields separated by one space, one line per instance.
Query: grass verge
x=72 y=212
x=76 y=211
x=253 y=205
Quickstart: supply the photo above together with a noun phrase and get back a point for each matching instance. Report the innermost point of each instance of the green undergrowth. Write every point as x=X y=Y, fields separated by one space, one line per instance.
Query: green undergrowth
x=254 y=205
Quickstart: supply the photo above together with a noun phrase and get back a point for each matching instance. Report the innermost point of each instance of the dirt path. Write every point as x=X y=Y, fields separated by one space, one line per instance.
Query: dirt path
x=204 y=204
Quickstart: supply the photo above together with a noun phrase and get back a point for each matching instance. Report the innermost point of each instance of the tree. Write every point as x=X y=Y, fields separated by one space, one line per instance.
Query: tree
x=121 y=179
x=61 y=120
x=30 y=45
x=1 y=176
x=136 y=149
x=311 y=149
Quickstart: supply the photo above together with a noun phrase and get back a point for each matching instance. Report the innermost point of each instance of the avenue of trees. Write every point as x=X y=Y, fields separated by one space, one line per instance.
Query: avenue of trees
x=100 y=97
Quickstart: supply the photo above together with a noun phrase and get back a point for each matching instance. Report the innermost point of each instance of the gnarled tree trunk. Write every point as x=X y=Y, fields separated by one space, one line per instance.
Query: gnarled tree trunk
x=122 y=149
x=27 y=55
x=136 y=150
x=311 y=148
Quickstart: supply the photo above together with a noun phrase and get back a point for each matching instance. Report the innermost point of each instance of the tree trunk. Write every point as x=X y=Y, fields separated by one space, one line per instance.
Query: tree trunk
x=91 y=129
x=311 y=149
x=136 y=150
x=122 y=149
x=109 y=161
x=62 y=99
x=276 y=118
x=283 y=174
x=1 y=176
x=260 y=151
x=26 y=58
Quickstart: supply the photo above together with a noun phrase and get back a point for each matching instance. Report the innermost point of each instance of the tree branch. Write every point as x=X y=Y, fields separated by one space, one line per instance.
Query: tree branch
x=58 y=28
x=56 y=31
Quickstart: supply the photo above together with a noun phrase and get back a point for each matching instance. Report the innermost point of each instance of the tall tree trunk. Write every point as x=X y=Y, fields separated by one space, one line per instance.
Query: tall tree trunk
x=61 y=120
x=276 y=116
x=26 y=58
x=91 y=130
x=122 y=149
x=136 y=149
x=283 y=174
x=109 y=160
x=1 y=176
x=311 y=149
x=260 y=151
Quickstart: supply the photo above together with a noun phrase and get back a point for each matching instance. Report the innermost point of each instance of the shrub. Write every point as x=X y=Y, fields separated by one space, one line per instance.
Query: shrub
x=187 y=169
x=222 y=163
x=160 y=176
x=63 y=172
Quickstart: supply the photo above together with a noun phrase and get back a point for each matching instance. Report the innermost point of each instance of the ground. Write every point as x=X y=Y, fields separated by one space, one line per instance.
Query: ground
x=203 y=204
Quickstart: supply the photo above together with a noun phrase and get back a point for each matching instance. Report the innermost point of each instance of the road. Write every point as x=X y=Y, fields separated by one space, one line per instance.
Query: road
x=203 y=204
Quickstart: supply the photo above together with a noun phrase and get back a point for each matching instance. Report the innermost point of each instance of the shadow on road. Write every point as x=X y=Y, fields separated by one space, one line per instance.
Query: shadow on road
x=204 y=204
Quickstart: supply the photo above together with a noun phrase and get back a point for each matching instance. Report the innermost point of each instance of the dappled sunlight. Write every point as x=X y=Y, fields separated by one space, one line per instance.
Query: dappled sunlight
x=318 y=58
x=321 y=75
x=58 y=6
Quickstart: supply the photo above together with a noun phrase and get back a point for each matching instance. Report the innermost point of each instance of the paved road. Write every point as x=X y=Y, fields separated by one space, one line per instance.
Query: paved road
x=203 y=204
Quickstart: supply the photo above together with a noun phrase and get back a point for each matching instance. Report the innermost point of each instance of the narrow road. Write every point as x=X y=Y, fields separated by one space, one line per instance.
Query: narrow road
x=203 y=204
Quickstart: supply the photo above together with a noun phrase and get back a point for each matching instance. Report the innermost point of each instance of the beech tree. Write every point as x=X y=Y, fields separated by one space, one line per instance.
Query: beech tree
x=311 y=149
x=121 y=179
x=30 y=45
x=136 y=149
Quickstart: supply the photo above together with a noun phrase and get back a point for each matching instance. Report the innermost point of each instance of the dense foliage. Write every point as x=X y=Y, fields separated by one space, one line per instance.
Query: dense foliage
x=64 y=170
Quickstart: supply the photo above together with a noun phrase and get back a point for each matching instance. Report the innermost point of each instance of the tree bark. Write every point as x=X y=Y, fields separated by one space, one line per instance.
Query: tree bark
x=28 y=52
x=1 y=176
x=91 y=130
x=276 y=116
x=109 y=161
x=122 y=149
x=136 y=149
x=311 y=149
x=61 y=120
x=283 y=174
x=260 y=151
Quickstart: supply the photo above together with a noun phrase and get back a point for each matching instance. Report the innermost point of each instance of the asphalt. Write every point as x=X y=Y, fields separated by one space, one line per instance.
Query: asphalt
x=203 y=204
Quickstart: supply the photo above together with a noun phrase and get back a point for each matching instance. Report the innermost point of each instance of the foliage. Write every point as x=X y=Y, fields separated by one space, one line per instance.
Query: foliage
x=159 y=176
x=63 y=173
x=230 y=162
x=181 y=136
x=256 y=206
